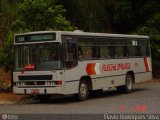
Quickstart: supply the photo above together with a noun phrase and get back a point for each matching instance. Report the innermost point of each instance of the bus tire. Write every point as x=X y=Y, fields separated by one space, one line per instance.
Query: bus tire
x=128 y=87
x=83 y=91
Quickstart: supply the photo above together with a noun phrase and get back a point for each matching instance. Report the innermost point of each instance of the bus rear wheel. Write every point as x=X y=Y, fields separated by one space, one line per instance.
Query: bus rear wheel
x=83 y=91
x=128 y=87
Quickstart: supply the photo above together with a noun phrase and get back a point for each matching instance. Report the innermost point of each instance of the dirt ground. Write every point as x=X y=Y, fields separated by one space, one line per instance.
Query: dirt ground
x=10 y=98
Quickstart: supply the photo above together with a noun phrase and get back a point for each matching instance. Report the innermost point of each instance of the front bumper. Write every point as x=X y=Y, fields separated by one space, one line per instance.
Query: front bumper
x=39 y=90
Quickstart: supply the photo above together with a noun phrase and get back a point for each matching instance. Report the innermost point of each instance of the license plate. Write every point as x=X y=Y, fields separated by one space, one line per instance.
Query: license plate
x=35 y=91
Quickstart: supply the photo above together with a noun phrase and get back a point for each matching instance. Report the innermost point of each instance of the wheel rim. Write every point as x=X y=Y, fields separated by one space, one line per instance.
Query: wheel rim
x=129 y=83
x=83 y=90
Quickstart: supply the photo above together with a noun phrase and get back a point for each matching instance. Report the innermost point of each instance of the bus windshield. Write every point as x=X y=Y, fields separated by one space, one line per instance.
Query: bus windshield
x=42 y=56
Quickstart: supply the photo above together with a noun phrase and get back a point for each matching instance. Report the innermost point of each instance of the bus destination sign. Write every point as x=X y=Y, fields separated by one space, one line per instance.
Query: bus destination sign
x=35 y=37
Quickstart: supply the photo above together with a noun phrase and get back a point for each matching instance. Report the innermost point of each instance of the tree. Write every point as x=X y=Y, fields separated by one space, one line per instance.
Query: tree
x=87 y=15
x=6 y=55
x=152 y=29
x=8 y=13
x=36 y=15
x=30 y=15
x=113 y=16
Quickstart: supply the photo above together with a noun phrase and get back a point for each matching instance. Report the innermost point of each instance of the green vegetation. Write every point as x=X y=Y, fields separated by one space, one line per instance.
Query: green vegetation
x=28 y=15
x=113 y=16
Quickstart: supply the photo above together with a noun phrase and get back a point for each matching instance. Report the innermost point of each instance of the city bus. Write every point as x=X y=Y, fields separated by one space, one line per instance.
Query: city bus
x=49 y=63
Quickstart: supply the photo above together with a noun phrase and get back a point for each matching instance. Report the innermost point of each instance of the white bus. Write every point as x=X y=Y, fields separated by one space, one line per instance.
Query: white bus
x=63 y=63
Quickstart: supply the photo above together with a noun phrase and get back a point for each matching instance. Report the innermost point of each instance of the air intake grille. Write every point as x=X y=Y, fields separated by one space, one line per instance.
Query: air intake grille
x=35 y=77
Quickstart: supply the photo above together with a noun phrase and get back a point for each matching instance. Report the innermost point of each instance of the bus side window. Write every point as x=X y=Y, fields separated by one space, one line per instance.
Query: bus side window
x=104 y=52
x=71 y=55
x=94 y=53
x=80 y=54
x=119 y=51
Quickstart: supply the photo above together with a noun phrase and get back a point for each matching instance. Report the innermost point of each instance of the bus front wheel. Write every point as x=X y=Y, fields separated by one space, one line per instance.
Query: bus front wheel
x=83 y=90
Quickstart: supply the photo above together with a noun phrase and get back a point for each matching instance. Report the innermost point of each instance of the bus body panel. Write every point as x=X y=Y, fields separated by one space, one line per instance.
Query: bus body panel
x=104 y=73
x=107 y=76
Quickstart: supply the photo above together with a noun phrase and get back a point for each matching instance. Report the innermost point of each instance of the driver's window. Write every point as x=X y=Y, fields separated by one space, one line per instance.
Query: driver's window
x=71 y=55
x=70 y=52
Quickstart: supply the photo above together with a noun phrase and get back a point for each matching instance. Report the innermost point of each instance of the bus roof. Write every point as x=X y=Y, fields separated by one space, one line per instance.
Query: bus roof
x=86 y=34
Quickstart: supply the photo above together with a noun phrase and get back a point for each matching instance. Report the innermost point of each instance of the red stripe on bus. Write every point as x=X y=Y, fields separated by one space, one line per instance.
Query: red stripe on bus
x=90 y=69
x=146 y=64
